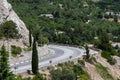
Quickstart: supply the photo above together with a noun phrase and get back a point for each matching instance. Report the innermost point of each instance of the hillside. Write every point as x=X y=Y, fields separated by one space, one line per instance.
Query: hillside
x=90 y=28
x=8 y=14
x=70 y=22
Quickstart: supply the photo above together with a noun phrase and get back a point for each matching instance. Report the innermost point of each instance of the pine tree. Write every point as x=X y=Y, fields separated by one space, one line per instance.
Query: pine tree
x=34 y=57
x=5 y=73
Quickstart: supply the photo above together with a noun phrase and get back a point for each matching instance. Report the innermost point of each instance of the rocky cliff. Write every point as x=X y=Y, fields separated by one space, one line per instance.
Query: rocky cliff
x=7 y=13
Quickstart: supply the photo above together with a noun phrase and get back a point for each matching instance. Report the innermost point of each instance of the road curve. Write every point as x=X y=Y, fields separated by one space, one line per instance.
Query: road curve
x=61 y=54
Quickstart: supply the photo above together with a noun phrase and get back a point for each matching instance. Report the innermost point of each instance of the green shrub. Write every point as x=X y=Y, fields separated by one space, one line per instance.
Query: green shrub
x=27 y=49
x=112 y=61
x=93 y=59
x=42 y=40
x=60 y=64
x=8 y=30
x=118 y=52
x=82 y=62
x=113 y=52
x=83 y=77
x=81 y=73
x=107 y=55
x=62 y=74
x=15 y=50
x=38 y=77
x=116 y=47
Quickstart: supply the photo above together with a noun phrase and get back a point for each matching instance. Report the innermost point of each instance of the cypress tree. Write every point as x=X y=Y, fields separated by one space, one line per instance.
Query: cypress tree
x=5 y=73
x=34 y=57
x=87 y=52
x=30 y=38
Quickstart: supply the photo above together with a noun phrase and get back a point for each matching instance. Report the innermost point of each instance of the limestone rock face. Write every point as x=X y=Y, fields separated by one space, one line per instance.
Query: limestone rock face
x=7 y=13
x=5 y=8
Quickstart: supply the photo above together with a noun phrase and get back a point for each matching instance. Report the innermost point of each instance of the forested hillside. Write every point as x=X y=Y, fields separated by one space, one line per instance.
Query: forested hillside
x=70 y=21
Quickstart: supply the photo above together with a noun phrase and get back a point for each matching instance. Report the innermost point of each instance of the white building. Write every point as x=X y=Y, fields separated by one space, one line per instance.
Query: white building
x=47 y=15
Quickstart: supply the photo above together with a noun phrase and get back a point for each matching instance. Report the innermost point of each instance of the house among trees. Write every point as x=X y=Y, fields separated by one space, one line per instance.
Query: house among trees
x=47 y=15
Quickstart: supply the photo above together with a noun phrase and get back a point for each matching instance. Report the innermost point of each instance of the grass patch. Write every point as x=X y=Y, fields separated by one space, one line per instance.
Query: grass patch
x=103 y=72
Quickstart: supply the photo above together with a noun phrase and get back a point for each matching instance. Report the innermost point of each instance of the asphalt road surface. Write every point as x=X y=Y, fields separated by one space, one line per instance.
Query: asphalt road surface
x=61 y=54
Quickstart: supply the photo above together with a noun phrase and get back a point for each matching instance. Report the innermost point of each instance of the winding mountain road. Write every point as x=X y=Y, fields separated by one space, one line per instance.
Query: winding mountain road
x=61 y=54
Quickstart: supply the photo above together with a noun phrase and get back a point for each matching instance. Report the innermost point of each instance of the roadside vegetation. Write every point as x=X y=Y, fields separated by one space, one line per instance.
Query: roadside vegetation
x=69 y=71
x=38 y=76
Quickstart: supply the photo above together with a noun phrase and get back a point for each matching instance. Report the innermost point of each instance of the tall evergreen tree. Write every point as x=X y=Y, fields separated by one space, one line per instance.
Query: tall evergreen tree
x=5 y=73
x=30 y=37
x=34 y=57
x=87 y=52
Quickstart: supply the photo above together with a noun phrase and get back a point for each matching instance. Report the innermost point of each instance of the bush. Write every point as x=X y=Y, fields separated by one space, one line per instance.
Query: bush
x=113 y=52
x=82 y=62
x=8 y=30
x=38 y=77
x=62 y=74
x=27 y=49
x=42 y=40
x=60 y=64
x=83 y=77
x=81 y=73
x=118 y=52
x=112 y=61
x=93 y=59
x=15 y=50
x=116 y=47
x=107 y=55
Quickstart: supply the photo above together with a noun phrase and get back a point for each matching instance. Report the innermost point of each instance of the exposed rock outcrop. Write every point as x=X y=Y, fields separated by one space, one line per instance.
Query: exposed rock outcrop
x=7 y=13
x=114 y=70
